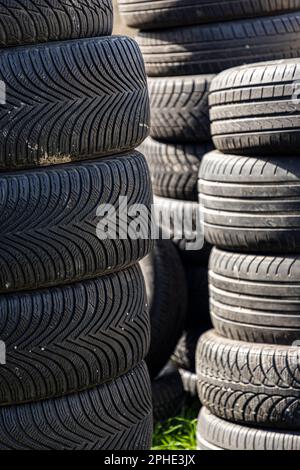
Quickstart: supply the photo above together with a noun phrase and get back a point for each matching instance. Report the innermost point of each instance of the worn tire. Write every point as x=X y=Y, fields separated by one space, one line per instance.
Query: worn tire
x=185 y=237
x=208 y=49
x=255 y=109
x=179 y=108
x=214 y=433
x=167 y=394
x=76 y=100
x=251 y=204
x=113 y=416
x=185 y=352
x=63 y=340
x=167 y=298
x=255 y=298
x=149 y=14
x=174 y=168
x=34 y=21
x=49 y=228
x=197 y=318
x=255 y=384
x=189 y=381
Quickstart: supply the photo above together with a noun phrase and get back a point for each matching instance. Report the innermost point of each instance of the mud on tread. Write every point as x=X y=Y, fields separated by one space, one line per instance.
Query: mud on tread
x=76 y=100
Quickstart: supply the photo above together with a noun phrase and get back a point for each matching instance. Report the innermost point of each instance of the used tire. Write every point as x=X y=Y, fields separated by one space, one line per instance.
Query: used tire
x=72 y=102
x=215 y=434
x=114 y=416
x=174 y=168
x=179 y=108
x=251 y=204
x=50 y=230
x=185 y=351
x=33 y=21
x=208 y=49
x=255 y=384
x=167 y=299
x=63 y=340
x=255 y=109
x=197 y=318
x=189 y=381
x=255 y=298
x=180 y=221
x=149 y=14
x=167 y=394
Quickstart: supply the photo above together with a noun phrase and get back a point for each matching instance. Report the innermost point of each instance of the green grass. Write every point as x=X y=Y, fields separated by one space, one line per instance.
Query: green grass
x=178 y=433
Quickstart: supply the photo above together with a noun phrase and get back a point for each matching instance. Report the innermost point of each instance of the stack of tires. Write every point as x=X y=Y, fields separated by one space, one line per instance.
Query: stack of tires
x=73 y=311
x=248 y=367
x=184 y=44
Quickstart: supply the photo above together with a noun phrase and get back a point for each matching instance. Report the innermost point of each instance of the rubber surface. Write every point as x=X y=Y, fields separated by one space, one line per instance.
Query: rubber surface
x=251 y=204
x=149 y=14
x=167 y=394
x=189 y=381
x=179 y=108
x=209 y=49
x=255 y=384
x=216 y=434
x=167 y=298
x=63 y=340
x=52 y=222
x=255 y=298
x=180 y=221
x=197 y=319
x=115 y=416
x=174 y=168
x=255 y=109
x=75 y=100
x=33 y=21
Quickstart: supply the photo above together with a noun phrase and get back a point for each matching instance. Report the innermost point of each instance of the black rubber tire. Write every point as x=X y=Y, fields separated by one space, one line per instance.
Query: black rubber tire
x=185 y=351
x=149 y=14
x=34 y=21
x=255 y=298
x=187 y=237
x=179 y=108
x=197 y=319
x=255 y=384
x=189 y=381
x=216 y=434
x=174 y=168
x=49 y=228
x=209 y=49
x=167 y=394
x=255 y=109
x=251 y=204
x=63 y=340
x=113 y=416
x=167 y=298
x=76 y=100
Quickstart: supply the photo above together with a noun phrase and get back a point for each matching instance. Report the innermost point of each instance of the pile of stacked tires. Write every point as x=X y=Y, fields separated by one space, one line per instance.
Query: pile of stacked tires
x=73 y=309
x=185 y=43
x=248 y=367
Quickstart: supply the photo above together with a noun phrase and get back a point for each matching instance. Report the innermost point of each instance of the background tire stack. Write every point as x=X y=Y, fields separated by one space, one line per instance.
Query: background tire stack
x=184 y=44
x=73 y=311
x=248 y=367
